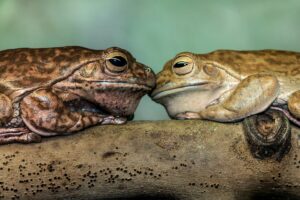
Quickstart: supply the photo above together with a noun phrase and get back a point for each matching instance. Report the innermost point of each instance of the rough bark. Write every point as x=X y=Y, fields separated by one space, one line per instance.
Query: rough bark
x=158 y=159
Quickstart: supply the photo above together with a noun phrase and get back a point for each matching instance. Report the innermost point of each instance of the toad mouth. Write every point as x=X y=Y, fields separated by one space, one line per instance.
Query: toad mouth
x=122 y=85
x=162 y=92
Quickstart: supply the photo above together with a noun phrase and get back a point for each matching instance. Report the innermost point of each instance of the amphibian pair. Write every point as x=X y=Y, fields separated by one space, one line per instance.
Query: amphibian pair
x=55 y=91
x=229 y=85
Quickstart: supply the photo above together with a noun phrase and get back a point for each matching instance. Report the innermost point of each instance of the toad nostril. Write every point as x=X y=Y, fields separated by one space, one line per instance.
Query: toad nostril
x=148 y=69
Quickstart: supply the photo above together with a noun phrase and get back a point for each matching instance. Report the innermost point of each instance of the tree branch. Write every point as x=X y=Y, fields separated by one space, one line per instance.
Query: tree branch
x=170 y=159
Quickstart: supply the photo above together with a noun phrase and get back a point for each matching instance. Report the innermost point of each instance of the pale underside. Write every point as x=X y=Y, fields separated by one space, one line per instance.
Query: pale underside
x=196 y=99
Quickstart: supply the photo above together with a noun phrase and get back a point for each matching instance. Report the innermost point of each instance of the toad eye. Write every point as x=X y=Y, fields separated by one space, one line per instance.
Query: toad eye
x=116 y=64
x=118 y=61
x=180 y=64
x=183 y=65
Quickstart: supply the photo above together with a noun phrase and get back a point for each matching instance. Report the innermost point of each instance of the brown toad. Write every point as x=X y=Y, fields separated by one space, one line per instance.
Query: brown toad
x=56 y=91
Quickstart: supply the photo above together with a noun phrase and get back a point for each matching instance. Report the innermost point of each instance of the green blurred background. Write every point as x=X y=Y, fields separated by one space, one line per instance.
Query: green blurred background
x=153 y=30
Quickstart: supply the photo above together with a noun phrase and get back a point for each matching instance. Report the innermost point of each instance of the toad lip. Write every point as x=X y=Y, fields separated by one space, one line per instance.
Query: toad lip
x=162 y=91
x=123 y=84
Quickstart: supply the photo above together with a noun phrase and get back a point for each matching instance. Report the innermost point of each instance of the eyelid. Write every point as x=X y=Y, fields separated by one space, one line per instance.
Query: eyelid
x=182 y=59
x=115 y=54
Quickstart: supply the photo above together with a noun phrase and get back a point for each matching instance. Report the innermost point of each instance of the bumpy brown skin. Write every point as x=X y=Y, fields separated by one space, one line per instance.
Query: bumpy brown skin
x=230 y=85
x=53 y=91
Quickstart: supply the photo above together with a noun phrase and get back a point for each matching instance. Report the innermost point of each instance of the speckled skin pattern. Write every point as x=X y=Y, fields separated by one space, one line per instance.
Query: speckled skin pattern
x=54 y=91
x=228 y=85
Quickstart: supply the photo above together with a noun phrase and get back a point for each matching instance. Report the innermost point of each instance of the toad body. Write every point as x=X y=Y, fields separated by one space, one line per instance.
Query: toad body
x=227 y=85
x=56 y=91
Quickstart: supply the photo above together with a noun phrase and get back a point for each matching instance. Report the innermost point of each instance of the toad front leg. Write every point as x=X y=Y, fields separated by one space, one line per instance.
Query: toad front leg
x=7 y=134
x=6 y=110
x=252 y=95
x=44 y=113
x=294 y=104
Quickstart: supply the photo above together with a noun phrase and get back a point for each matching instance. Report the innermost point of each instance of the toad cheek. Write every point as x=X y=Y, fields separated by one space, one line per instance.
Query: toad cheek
x=118 y=102
x=151 y=79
